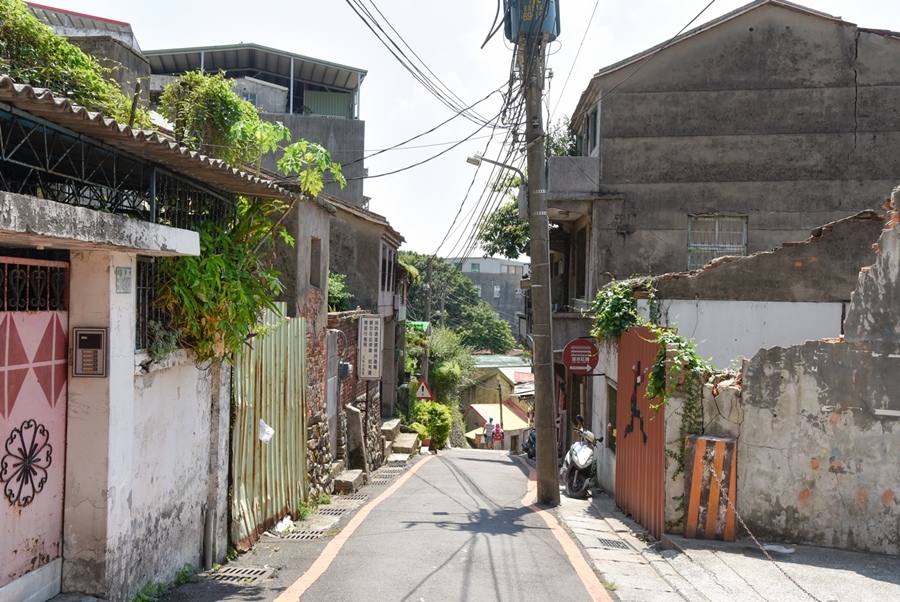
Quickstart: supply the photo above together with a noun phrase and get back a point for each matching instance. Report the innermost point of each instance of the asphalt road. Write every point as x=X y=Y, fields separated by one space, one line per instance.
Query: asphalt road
x=456 y=529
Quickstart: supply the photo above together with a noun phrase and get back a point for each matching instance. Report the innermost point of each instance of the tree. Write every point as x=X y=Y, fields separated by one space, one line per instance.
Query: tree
x=463 y=309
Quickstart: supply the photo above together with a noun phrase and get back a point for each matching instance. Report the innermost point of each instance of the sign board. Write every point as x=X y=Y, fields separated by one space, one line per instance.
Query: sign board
x=423 y=392
x=581 y=356
x=371 y=341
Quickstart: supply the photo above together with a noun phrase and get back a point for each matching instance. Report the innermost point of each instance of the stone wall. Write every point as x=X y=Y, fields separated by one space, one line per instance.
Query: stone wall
x=354 y=391
x=319 y=458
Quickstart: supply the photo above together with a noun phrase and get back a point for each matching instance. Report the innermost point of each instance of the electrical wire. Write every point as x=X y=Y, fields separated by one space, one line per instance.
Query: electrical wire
x=575 y=60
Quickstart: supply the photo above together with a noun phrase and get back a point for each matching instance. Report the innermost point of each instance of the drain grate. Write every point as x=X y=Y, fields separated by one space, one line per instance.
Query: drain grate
x=301 y=535
x=377 y=481
x=243 y=575
x=354 y=497
x=331 y=511
x=613 y=543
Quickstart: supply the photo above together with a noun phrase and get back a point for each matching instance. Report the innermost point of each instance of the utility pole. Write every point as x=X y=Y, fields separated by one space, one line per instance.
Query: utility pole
x=427 y=317
x=539 y=227
x=500 y=399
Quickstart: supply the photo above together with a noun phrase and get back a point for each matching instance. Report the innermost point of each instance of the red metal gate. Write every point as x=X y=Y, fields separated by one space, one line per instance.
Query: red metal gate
x=33 y=371
x=640 y=441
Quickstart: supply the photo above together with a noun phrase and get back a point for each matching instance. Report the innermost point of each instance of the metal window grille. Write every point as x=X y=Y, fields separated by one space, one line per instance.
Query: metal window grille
x=33 y=285
x=146 y=311
x=710 y=237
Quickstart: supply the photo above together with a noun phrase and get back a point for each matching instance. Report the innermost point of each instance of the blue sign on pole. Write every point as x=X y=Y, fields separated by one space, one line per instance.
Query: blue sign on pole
x=530 y=17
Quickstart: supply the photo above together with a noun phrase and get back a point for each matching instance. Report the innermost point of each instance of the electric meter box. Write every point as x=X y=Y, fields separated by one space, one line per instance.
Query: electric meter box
x=530 y=17
x=91 y=352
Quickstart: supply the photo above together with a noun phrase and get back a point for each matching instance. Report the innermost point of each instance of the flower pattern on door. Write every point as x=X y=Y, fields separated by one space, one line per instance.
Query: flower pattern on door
x=33 y=390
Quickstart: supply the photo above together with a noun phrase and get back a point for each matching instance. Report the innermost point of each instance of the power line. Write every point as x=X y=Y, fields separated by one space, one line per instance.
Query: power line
x=575 y=60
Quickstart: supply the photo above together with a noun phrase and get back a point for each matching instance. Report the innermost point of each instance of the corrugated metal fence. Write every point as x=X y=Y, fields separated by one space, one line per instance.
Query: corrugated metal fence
x=640 y=442
x=269 y=479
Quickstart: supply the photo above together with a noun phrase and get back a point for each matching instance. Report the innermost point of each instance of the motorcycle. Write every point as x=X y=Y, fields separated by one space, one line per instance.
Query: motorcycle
x=530 y=446
x=578 y=469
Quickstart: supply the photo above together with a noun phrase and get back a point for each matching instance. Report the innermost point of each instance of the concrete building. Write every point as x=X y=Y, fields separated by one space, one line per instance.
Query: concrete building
x=499 y=283
x=317 y=100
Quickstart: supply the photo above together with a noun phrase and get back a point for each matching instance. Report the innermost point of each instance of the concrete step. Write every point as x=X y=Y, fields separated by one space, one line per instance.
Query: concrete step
x=337 y=467
x=349 y=482
x=388 y=447
x=390 y=429
x=407 y=443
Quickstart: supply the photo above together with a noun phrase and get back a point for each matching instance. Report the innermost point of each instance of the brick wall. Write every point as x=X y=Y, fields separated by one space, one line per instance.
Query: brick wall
x=353 y=390
x=319 y=468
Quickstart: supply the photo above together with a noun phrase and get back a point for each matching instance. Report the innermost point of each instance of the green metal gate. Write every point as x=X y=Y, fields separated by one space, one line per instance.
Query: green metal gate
x=269 y=479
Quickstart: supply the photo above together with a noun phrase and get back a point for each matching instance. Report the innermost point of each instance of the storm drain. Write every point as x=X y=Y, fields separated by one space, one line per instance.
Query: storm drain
x=242 y=575
x=301 y=535
x=330 y=511
x=613 y=543
x=378 y=481
x=354 y=497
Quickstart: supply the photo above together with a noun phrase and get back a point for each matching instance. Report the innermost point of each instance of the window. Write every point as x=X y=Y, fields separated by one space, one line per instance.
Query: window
x=478 y=286
x=496 y=291
x=592 y=137
x=715 y=236
x=458 y=265
x=315 y=262
x=475 y=268
x=249 y=97
x=388 y=265
x=513 y=269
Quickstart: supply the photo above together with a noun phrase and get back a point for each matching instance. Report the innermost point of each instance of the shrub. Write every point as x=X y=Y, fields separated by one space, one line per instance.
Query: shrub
x=437 y=419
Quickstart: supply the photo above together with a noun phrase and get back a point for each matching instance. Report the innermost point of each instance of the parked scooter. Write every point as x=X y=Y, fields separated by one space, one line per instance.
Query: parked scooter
x=530 y=446
x=577 y=470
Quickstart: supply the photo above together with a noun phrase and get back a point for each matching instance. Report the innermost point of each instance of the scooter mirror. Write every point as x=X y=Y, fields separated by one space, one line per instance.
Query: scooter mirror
x=578 y=421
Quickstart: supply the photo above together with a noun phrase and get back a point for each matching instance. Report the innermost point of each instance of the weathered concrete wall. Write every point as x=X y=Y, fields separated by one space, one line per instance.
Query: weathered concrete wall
x=817 y=427
x=127 y=65
x=344 y=138
x=356 y=253
x=726 y=331
x=822 y=268
x=601 y=425
x=694 y=132
x=874 y=314
x=270 y=98
x=815 y=464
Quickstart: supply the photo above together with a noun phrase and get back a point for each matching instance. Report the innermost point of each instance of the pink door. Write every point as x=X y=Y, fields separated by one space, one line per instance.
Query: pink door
x=33 y=371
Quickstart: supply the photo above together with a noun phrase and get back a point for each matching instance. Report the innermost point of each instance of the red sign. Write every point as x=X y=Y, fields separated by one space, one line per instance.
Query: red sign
x=581 y=356
x=424 y=391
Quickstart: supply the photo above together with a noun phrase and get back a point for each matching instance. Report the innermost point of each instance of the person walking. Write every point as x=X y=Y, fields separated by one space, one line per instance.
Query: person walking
x=498 y=434
x=489 y=433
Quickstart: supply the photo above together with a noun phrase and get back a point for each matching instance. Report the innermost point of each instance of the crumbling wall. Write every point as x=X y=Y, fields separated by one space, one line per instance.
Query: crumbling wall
x=819 y=437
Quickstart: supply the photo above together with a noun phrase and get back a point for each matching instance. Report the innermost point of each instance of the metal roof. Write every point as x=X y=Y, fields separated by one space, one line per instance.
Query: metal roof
x=150 y=146
x=260 y=62
x=66 y=18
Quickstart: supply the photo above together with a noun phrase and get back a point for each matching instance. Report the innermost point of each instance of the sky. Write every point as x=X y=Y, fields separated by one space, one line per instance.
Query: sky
x=435 y=206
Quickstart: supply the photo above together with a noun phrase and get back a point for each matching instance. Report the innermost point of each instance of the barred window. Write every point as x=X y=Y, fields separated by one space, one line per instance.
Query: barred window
x=33 y=285
x=715 y=236
x=147 y=274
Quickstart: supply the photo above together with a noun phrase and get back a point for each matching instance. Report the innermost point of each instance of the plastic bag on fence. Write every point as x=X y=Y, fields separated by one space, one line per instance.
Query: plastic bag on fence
x=265 y=431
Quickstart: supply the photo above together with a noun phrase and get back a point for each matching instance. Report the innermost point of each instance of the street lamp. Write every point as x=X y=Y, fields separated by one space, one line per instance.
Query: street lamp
x=477 y=159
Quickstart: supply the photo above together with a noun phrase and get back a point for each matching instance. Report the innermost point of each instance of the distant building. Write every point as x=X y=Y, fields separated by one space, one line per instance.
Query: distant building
x=498 y=282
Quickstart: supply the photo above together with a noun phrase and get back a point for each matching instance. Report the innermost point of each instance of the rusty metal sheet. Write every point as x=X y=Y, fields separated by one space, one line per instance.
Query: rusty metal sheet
x=640 y=445
x=269 y=479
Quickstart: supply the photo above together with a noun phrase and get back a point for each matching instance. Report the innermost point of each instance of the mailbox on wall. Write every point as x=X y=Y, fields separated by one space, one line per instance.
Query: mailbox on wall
x=90 y=352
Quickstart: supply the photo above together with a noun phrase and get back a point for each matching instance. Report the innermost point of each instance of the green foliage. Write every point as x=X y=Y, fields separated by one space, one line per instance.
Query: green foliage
x=310 y=161
x=323 y=500
x=210 y=118
x=687 y=365
x=614 y=310
x=30 y=53
x=421 y=429
x=338 y=295
x=214 y=300
x=437 y=419
x=152 y=591
x=453 y=365
x=162 y=341
x=483 y=330
x=503 y=233
x=561 y=141
x=303 y=511
x=464 y=310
